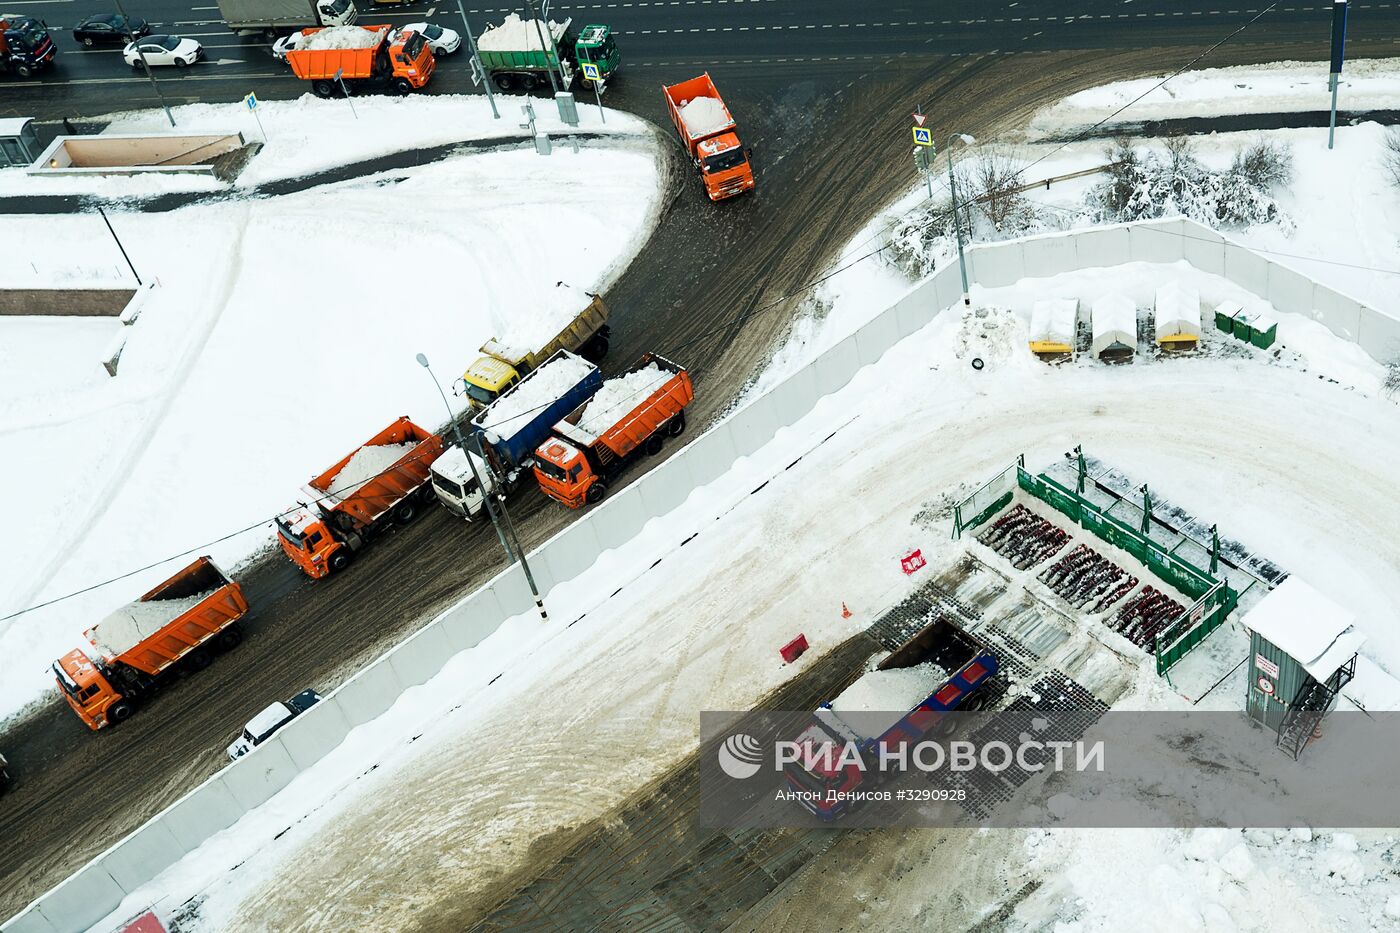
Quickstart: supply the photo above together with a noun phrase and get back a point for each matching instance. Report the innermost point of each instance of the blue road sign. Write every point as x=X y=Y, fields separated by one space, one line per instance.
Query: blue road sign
x=590 y=71
x=923 y=136
x=251 y=100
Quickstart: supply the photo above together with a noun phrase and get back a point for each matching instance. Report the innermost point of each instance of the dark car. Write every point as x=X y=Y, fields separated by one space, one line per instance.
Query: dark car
x=110 y=29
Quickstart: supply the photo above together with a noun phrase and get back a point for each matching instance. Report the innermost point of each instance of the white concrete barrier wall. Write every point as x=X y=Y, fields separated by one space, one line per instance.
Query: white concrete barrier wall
x=97 y=889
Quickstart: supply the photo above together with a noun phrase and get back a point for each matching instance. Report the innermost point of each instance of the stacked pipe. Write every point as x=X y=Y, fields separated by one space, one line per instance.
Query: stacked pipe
x=1085 y=578
x=1144 y=616
x=1024 y=538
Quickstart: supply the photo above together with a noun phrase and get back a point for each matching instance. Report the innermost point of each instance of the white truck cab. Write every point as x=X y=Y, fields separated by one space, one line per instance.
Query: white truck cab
x=456 y=486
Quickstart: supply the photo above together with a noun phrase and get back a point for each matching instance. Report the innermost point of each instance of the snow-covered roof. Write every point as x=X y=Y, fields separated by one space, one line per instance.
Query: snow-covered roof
x=11 y=126
x=1178 y=311
x=1115 y=321
x=453 y=465
x=270 y=718
x=1053 y=320
x=1307 y=626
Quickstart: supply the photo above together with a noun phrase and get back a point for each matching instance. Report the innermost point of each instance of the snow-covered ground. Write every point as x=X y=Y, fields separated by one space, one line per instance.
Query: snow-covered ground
x=470 y=773
x=282 y=334
x=1282 y=87
x=309 y=135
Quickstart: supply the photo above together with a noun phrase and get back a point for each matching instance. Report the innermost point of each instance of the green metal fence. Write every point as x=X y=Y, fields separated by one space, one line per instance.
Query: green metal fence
x=991 y=498
x=1189 y=629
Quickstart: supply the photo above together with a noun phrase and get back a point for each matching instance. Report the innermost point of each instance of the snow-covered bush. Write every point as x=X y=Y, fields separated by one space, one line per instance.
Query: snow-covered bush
x=1175 y=182
x=1390 y=158
x=1391 y=386
x=995 y=179
x=915 y=242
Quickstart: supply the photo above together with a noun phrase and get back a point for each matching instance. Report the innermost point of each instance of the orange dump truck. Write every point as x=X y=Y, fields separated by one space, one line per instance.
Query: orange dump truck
x=629 y=416
x=383 y=481
x=364 y=57
x=708 y=131
x=175 y=628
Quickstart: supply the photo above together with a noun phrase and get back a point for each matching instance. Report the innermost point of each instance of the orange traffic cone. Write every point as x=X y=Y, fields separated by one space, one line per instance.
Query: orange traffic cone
x=845 y=613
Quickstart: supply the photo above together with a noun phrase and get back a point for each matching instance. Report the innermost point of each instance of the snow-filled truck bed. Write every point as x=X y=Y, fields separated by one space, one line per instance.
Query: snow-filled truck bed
x=341 y=509
x=631 y=414
x=514 y=425
x=708 y=130
x=175 y=628
x=350 y=50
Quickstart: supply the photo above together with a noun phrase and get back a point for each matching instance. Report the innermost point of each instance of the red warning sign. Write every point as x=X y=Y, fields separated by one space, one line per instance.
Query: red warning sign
x=912 y=561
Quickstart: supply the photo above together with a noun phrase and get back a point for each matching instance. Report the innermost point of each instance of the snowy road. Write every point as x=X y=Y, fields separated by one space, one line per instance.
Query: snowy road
x=587 y=715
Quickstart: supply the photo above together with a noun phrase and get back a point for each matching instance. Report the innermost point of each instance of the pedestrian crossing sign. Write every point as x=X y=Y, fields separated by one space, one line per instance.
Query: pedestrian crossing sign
x=923 y=136
x=590 y=71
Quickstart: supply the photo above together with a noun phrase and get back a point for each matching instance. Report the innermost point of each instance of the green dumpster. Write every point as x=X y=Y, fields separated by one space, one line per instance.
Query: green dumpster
x=1242 y=325
x=1225 y=315
x=1263 y=331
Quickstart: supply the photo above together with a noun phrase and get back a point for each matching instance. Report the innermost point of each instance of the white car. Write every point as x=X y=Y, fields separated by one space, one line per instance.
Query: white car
x=261 y=727
x=163 y=50
x=441 y=41
x=282 y=46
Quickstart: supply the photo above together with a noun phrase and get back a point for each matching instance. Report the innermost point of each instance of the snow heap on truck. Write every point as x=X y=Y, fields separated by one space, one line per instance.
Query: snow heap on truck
x=892 y=692
x=704 y=115
x=365 y=465
x=519 y=35
x=619 y=396
x=139 y=620
x=546 y=385
x=342 y=37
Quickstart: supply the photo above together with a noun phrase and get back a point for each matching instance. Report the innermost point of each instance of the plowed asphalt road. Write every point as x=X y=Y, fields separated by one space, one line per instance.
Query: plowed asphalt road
x=826 y=110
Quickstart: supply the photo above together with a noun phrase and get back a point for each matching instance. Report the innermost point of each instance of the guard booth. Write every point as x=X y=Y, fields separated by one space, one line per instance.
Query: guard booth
x=1302 y=652
x=19 y=144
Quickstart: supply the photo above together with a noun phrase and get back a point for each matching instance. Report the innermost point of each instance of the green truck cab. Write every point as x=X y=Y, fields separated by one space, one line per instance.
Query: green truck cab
x=513 y=60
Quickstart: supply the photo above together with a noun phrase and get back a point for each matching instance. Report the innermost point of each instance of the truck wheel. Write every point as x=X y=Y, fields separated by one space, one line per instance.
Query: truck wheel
x=975 y=703
x=596 y=350
x=229 y=638
x=654 y=445
x=23 y=71
x=119 y=713
x=677 y=427
x=402 y=86
x=339 y=560
x=405 y=512
x=198 y=660
x=87 y=41
x=505 y=82
x=595 y=493
x=528 y=83
x=323 y=88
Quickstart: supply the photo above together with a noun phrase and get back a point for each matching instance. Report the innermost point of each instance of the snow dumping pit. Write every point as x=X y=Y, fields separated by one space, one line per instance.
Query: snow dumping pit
x=365 y=465
x=619 y=396
x=703 y=116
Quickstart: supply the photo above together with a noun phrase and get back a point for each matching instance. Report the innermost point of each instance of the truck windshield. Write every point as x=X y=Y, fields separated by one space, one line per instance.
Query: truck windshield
x=451 y=487
x=550 y=470
x=725 y=160
x=290 y=536
x=338 y=7
x=29 y=34
x=414 y=46
x=481 y=395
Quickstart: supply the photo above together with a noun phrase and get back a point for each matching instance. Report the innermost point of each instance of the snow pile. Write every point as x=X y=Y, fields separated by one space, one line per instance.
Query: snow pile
x=364 y=465
x=139 y=620
x=893 y=693
x=703 y=116
x=341 y=37
x=519 y=35
x=618 y=397
x=537 y=391
x=552 y=309
x=1053 y=319
x=1366 y=84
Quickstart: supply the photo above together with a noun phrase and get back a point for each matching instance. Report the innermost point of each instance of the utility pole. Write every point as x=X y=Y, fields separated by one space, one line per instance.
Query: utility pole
x=953 y=193
x=479 y=68
x=1339 y=41
x=144 y=64
x=512 y=554
x=547 y=47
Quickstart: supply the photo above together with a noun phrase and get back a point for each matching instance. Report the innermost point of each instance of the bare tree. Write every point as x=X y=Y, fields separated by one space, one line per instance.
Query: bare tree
x=995 y=182
x=1390 y=158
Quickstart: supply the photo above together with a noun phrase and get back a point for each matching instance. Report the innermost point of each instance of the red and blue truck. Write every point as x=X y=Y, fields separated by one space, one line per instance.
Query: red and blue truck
x=940 y=670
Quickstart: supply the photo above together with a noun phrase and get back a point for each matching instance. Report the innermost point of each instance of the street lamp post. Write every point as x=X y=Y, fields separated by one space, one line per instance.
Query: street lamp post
x=144 y=64
x=953 y=193
x=513 y=554
x=476 y=61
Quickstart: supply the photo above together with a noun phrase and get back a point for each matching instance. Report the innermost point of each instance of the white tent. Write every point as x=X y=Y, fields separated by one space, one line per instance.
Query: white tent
x=1306 y=626
x=1115 y=327
x=1052 y=325
x=1178 y=312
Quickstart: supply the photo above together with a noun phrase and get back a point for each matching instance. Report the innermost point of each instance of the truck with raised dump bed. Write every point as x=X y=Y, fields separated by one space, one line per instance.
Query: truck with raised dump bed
x=709 y=133
x=515 y=58
x=282 y=17
x=510 y=430
x=630 y=415
x=175 y=628
x=939 y=670
x=382 y=482
x=584 y=332
x=363 y=57
x=25 y=45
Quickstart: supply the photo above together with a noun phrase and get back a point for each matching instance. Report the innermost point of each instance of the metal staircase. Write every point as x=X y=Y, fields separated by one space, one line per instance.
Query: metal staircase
x=1313 y=701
